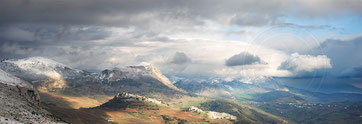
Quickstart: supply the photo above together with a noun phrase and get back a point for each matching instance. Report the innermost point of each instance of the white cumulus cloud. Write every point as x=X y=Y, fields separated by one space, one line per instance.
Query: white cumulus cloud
x=305 y=63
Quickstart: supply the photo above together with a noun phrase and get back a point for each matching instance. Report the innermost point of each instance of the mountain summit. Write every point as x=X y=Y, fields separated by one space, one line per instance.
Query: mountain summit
x=139 y=72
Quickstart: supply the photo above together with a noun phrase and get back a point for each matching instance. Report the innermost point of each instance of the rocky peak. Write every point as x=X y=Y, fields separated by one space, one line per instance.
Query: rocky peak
x=140 y=72
x=125 y=95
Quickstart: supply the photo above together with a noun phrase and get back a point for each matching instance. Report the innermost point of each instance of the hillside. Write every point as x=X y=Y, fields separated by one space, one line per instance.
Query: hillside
x=20 y=103
x=130 y=108
x=244 y=113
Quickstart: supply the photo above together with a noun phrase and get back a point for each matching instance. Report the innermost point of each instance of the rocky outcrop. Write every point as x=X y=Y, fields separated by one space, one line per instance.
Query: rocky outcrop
x=130 y=97
x=213 y=114
x=218 y=115
x=195 y=110
x=126 y=100
x=29 y=94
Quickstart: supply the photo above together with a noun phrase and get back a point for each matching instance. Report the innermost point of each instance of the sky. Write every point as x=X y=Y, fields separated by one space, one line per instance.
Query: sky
x=228 y=39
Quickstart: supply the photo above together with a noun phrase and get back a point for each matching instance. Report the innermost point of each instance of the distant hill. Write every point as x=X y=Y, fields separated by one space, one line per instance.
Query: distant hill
x=262 y=91
x=317 y=113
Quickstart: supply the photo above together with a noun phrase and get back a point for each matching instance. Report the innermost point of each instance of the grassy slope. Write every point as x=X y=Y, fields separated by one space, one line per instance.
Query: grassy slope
x=245 y=113
x=73 y=102
x=280 y=96
x=77 y=109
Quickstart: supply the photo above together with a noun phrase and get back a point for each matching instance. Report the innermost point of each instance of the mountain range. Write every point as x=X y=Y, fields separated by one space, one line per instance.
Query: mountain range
x=52 y=92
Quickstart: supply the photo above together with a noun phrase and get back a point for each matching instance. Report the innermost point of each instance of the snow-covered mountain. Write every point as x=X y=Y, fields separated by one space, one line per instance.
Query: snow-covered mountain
x=51 y=75
x=136 y=73
x=41 y=71
x=38 y=68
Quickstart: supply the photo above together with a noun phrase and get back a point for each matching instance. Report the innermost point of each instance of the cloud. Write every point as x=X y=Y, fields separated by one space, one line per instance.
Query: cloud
x=91 y=34
x=148 y=12
x=352 y=72
x=243 y=58
x=305 y=63
x=180 y=58
x=345 y=55
x=15 y=34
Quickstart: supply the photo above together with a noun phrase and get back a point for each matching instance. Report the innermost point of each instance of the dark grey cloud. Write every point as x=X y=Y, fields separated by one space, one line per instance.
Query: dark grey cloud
x=355 y=72
x=116 y=12
x=243 y=58
x=145 y=12
x=73 y=30
x=180 y=58
x=51 y=33
x=85 y=47
x=345 y=55
x=30 y=40
x=33 y=26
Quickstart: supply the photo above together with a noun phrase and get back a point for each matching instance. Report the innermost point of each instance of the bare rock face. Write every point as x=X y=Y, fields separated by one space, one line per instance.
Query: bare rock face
x=30 y=94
